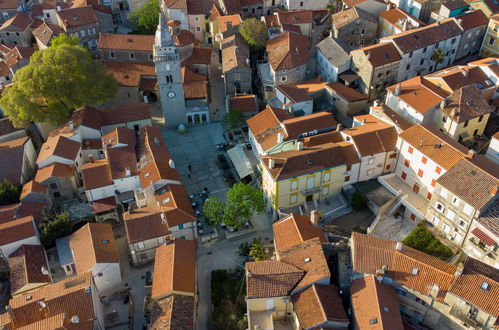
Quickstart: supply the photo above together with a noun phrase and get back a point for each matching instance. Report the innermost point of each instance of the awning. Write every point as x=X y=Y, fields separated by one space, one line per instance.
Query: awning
x=103 y=205
x=240 y=161
x=484 y=238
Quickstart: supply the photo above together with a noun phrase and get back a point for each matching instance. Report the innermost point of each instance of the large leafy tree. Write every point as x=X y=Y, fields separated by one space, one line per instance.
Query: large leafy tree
x=58 y=80
x=146 y=17
x=242 y=202
x=9 y=193
x=254 y=33
x=64 y=39
x=52 y=228
x=257 y=251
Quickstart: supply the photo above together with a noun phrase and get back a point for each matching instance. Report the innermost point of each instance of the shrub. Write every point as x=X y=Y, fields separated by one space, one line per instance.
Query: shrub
x=359 y=201
x=423 y=240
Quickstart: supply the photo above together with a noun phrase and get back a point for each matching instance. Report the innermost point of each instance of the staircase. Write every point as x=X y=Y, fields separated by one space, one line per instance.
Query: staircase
x=396 y=203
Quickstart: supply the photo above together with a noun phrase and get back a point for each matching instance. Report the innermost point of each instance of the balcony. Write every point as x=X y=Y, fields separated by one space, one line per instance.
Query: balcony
x=464 y=317
x=410 y=199
x=482 y=247
x=310 y=191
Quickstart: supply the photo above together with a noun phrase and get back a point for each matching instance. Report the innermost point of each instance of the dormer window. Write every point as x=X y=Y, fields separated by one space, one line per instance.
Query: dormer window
x=484 y=286
x=415 y=271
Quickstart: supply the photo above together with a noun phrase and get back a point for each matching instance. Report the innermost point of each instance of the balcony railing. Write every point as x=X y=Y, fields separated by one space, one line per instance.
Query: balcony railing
x=311 y=191
x=464 y=317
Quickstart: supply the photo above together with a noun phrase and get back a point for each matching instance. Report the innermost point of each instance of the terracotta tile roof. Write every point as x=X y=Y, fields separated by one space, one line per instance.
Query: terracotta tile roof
x=11 y=159
x=45 y=32
x=184 y=38
x=271 y=21
x=174 y=312
x=373 y=137
x=92 y=244
x=175 y=204
x=395 y=15
x=391 y=115
x=301 y=92
x=77 y=16
x=418 y=38
x=466 y=103
x=472 y=183
x=235 y=54
x=144 y=223
x=174 y=269
x=129 y=73
x=435 y=145
x=266 y=124
x=350 y=15
x=419 y=94
x=250 y=2
x=349 y=94
x=175 y=4
x=126 y=42
x=103 y=205
x=9 y=4
x=32 y=187
x=56 y=170
x=33 y=209
x=95 y=5
x=148 y=84
x=353 y=3
x=468 y=286
x=97 y=174
x=295 y=127
x=59 y=146
x=409 y=267
x=200 y=55
x=122 y=159
x=16 y=230
x=20 y=22
x=295 y=229
x=199 y=7
x=224 y=22
x=195 y=84
x=374 y=300
x=266 y=279
x=16 y=54
x=308 y=256
x=155 y=163
x=472 y=20
x=489 y=218
x=287 y=51
x=317 y=305
x=483 y=237
x=125 y=113
x=380 y=54
x=67 y=297
x=455 y=77
x=25 y=267
x=294 y=17
x=231 y=7
x=243 y=103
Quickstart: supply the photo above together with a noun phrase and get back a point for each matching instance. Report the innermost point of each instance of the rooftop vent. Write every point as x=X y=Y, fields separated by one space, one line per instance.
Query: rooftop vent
x=415 y=271
x=29 y=297
x=75 y=319
x=307 y=259
x=484 y=286
x=310 y=161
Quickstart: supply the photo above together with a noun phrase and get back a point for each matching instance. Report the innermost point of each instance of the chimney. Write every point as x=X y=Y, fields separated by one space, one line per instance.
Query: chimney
x=271 y=163
x=459 y=270
x=299 y=146
x=381 y=272
x=127 y=171
x=494 y=191
x=377 y=103
x=444 y=103
x=465 y=73
x=75 y=319
x=171 y=163
x=331 y=34
x=339 y=127
x=314 y=217
x=280 y=138
x=471 y=153
x=71 y=126
x=90 y=158
x=368 y=55
x=404 y=25
x=58 y=8
x=398 y=89
x=420 y=142
x=399 y=246
x=364 y=121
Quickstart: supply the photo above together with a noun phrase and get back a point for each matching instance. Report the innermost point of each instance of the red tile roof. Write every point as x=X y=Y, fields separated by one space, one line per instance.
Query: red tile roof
x=120 y=152
x=133 y=42
x=77 y=16
x=56 y=170
x=16 y=230
x=243 y=103
x=20 y=22
x=295 y=229
x=484 y=238
x=96 y=174
x=129 y=73
x=287 y=51
x=32 y=187
x=59 y=146
x=174 y=312
x=195 y=84
x=294 y=17
x=174 y=269
x=12 y=159
x=380 y=54
x=472 y=20
x=25 y=267
x=103 y=205
x=349 y=94
x=175 y=204
x=144 y=223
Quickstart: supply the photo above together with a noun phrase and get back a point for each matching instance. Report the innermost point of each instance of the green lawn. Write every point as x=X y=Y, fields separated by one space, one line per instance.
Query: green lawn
x=421 y=239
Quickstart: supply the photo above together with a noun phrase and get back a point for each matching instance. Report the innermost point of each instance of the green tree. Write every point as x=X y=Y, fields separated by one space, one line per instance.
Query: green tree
x=64 y=39
x=57 y=81
x=146 y=17
x=359 y=201
x=233 y=119
x=242 y=202
x=9 y=193
x=423 y=240
x=52 y=228
x=254 y=33
x=438 y=57
x=257 y=251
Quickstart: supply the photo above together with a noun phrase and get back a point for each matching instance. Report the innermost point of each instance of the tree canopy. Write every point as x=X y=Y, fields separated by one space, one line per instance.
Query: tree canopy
x=146 y=17
x=254 y=33
x=64 y=39
x=51 y=229
x=233 y=119
x=9 y=193
x=58 y=80
x=438 y=57
x=242 y=202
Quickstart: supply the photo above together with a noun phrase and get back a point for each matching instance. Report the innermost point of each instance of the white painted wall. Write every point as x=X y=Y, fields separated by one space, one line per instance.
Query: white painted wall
x=305 y=4
x=8 y=249
x=110 y=279
x=493 y=150
x=179 y=15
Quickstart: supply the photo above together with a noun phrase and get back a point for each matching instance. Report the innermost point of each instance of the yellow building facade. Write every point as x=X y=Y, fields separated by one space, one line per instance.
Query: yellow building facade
x=490 y=45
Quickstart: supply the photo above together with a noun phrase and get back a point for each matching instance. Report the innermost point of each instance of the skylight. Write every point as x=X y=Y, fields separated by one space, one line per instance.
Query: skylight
x=484 y=286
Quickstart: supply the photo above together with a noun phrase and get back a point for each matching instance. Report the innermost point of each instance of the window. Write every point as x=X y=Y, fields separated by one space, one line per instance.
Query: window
x=407 y=163
x=444 y=119
x=420 y=173
x=413 y=217
x=403 y=176
x=462 y=223
x=284 y=78
x=392 y=156
x=347 y=178
x=424 y=50
x=57 y=194
x=362 y=31
x=455 y=200
x=325 y=191
x=326 y=177
x=444 y=193
x=301 y=3
x=196 y=18
x=169 y=79
x=198 y=29
x=433 y=182
x=410 y=55
x=421 y=62
x=294 y=185
x=491 y=41
x=91 y=31
x=380 y=74
x=112 y=54
x=150 y=57
x=6 y=15
x=140 y=245
x=132 y=56
x=7 y=34
x=17 y=34
x=82 y=33
x=373 y=321
x=410 y=150
x=468 y=209
x=450 y=214
x=446 y=229
x=428 y=196
x=53 y=186
x=370 y=161
x=424 y=160
x=369 y=172
x=160 y=240
x=387 y=72
x=466 y=123
x=388 y=167
x=408 y=67
x=438 y=170
x=435 y=220
x=237 y=76
x=181 y=226
x=480 y=118
x=453 y=41
x=475 y=132
x=440 y=207
x=293 y=199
